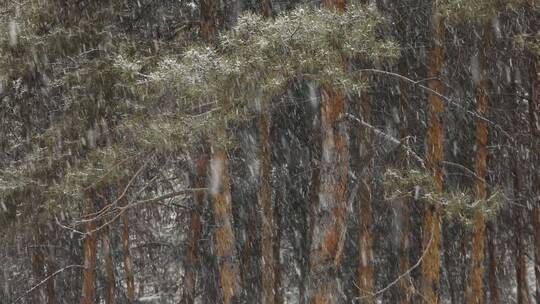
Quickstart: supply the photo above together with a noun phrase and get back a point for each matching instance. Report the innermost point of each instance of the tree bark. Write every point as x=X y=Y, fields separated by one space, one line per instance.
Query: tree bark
x=266 y=208
x=432 y=220
x=266 y=8
x=495 y=294
x=224 y=240
x=366 y=271
x=476 y=294
x=534 y=121
x=210 y=19
x=192 y=258
x=109 y=266
x=405 y=284
x=128 y=264
x=329 y=218
x=523 y=296
x=329 y=226
x=38 y=261
x=90 y=251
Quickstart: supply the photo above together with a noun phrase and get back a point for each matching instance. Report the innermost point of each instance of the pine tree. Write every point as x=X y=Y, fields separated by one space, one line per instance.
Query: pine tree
x=434 y=154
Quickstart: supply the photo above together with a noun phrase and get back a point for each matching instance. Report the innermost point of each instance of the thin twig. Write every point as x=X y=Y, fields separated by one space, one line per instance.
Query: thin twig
x=406 y=273
x=443 y=97
x=45 y=280
x=388 y=137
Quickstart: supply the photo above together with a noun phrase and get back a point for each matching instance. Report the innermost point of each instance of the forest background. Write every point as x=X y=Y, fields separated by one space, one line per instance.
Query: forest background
x=271 y=151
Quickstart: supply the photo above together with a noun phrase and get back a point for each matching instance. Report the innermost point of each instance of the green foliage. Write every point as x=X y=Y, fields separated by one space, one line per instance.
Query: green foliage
x=457 y=11
x=400 y=183
x=460 y=206
x=528 y=43
x=456 y=205
x=258 y=58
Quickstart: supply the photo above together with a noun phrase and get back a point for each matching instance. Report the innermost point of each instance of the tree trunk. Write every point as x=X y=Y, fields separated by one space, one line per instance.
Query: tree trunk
x=534 y=112
x=266 y=208
x=329 y=226
x=495 y=294
x=329 y=218
x=476 y=294
x=210 y=19
x=51 y=267
x=269 y=280
x=90 y=251
x=278 y=298
x=313 y=204
x=405 y=284
x=365 y=281
x=266 y=8
x=534 y=121
x=109 y=266
x=192 y=258
x=38 y=261
x=224 y=237
x=432 y=219
x=523 y=296
x=128 y=264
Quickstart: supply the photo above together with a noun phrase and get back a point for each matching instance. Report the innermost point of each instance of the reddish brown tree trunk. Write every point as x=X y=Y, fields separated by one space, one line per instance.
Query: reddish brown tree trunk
x=366 y=271
x=89 y=251
x=405 y=286
x=210 y=18
x=431 y=268
x=266 y=8
x=109 y=266
x=224 y=240
x=193 y=259
x=328 y=219
x=476 y=294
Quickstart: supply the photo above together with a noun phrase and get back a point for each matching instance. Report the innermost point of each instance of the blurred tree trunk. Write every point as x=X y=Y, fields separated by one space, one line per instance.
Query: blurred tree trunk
x=519 y=210
x=329 y=218
x=476 y=283
x=268 y=262
x=495 y=294
x=51 y=268
x=211 y=18
x=366 y=153
x=128 y=263
x=278 y=295
x=38 y=261
x=431 y=267
x=534 y=114
x=534 y=121
x=224 y=240
x=89 y=250
x=109 y=265
x=405 y=288
x=266 y=8
x=365 y=280
x=312 y=204
x=266 y=208
x=196 y=231
x=405 y=292
x=329 y=227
